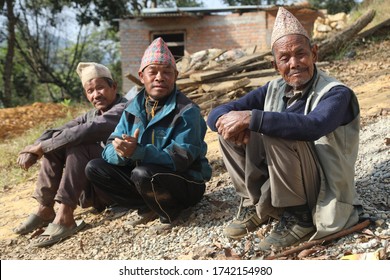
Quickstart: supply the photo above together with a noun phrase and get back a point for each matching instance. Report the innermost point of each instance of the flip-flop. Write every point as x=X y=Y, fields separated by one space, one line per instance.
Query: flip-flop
x=55 y=233
x=32 y=223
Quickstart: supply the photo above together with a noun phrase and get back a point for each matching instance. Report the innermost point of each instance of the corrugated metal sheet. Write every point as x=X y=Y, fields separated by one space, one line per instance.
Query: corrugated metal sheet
x=197 y=11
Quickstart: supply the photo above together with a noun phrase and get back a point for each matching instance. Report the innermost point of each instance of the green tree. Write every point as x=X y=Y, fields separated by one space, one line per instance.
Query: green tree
x=254 y=2
x=34 y=38
x=189 y=3
x=334 y=6
x=6 y=93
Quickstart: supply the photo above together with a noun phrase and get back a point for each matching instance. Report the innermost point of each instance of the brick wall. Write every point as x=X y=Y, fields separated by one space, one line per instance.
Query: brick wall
x=204 y=32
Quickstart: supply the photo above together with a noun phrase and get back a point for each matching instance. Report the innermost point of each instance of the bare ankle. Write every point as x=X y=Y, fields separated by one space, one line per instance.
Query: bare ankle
x=45 y=212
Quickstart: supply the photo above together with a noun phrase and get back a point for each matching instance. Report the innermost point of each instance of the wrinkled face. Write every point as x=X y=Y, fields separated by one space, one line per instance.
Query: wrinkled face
x=158 y=79
x=294 y=60
x=100 y=93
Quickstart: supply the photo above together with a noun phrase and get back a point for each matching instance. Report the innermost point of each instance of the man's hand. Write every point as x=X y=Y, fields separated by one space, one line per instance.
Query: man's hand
x=29 y=156
x=33 y=149
x=26 y=160
x=234 y=126
x=126 y=146
x=242 y=138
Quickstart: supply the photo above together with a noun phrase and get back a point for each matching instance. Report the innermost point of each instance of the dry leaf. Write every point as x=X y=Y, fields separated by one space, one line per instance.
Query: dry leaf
x=229 y=254
x=377 y=255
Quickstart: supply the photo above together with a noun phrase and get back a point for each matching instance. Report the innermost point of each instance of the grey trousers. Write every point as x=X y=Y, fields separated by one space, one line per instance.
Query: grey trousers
x=273 y=173
x=62 y=178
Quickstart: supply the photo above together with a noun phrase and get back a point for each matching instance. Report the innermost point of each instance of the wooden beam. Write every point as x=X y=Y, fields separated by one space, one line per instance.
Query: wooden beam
x=344 y=37
x=236 y=67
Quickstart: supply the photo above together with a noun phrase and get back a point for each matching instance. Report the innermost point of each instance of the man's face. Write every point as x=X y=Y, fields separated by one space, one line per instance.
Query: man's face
x=294 y=60
x=159 y=80
x=100 y=94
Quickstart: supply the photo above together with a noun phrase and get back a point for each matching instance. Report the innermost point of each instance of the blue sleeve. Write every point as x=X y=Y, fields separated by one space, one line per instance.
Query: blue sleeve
x=184 y=143
x=109 y=154
x=252 y=100
x=332 y=111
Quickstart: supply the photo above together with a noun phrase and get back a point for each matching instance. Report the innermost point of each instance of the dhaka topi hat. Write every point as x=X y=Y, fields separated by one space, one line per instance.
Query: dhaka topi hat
x=286 y=24
x=91 y=70
x=157 y=53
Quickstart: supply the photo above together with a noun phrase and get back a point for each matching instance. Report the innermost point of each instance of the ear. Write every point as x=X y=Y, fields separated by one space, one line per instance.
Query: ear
x=141 y=76
x=314 y=51
x=176 y=74
x=275 y=65
x=115 y=85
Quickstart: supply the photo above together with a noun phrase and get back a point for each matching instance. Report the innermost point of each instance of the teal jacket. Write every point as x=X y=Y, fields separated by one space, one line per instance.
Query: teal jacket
x=174 y=138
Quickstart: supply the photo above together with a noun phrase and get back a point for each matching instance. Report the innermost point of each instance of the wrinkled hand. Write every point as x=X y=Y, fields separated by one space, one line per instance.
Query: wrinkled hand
x=26 y=160
x=241 y=138
x=234 y=126
x=126 y=146
x=29 y=156
x=33 y=149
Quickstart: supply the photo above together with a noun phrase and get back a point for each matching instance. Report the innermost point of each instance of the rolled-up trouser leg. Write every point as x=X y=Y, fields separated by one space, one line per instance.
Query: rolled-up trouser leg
x=165 y=192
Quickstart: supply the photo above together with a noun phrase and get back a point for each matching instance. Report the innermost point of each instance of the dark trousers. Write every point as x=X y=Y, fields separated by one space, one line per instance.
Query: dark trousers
x=62 y=178
x=145 y=187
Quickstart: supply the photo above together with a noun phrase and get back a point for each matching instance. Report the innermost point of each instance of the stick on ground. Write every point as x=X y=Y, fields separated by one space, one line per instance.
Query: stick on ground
x=312 y=243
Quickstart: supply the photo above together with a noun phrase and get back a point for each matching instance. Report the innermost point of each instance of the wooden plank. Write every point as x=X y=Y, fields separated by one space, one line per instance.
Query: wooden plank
x=226 y=86
x=195 y=94
x=212 y=74
x=336 y=43
x=248 y=74
x=259 y=82
x=249 y=58
x=134 y=79
x=189 y=89
x=384 y=25
x=186 y=82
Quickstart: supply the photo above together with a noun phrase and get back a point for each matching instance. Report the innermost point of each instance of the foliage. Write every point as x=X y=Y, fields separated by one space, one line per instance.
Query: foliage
x=66 y=102
x=381 y=7
x=188 y=3
x=39 y=62
x=334 y=6
x=45 y=50
x=255 y=2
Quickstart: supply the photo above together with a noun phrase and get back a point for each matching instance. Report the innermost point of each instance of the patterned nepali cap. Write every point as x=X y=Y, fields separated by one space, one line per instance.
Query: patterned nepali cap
x=157 y=53
x=286 y=24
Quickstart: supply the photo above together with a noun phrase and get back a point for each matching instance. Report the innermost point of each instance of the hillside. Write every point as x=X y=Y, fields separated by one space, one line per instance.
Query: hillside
x=367 y=73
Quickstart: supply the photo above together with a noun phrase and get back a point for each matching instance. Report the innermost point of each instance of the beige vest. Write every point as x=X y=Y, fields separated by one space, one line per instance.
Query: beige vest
x=337 y=152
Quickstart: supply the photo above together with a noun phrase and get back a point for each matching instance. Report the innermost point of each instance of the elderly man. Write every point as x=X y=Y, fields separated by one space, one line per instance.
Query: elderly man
x=155 y=160
x=290 y=146
x=65 y=151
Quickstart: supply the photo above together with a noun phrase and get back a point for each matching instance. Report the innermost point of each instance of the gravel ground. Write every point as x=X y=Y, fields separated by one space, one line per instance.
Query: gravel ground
x=199 y=236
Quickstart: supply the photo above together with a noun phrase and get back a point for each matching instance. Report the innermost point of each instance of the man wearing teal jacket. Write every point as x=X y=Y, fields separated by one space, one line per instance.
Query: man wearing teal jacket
x=155 y=160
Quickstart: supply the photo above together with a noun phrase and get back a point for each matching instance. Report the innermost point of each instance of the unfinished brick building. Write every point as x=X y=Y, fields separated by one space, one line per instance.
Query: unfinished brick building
x=188 y=30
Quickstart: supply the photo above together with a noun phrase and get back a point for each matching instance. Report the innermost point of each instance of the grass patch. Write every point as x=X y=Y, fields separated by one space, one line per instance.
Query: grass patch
x=10 y=172
x=381 y=7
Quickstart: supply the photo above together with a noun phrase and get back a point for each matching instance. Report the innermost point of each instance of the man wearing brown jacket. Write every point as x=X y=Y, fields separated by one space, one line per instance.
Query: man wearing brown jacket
x=64 y=153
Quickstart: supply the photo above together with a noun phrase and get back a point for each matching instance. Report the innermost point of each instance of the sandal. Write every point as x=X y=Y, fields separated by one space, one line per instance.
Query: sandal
x=55 y=233
x=32 y=223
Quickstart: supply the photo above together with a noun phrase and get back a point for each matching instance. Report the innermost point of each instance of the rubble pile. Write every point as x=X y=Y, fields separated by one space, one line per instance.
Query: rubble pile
x=214 y=76
x=329 y=24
